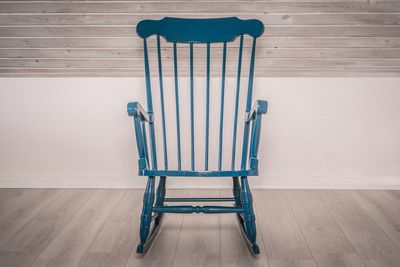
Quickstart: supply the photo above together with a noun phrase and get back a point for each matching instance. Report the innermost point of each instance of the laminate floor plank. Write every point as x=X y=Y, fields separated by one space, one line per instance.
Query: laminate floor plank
x=283 y=240
x=162 y=251
x=36 y=234
x=7 y=258
x=71 y=244
x=382 y=212
x=23 y=211
x=370 y=241
x=234 y=252
x=200 y=238
x=393 y=197
x=115 y=242
x=328 y=244
x=9 y=197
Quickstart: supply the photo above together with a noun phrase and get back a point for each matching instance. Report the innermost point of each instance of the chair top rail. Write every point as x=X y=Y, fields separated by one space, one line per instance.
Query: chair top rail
x=212 y=30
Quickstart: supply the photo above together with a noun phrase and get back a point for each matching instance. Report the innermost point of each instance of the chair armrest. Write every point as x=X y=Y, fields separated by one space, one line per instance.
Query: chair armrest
x=140 y=115
x=259 y=107
x=136 y=110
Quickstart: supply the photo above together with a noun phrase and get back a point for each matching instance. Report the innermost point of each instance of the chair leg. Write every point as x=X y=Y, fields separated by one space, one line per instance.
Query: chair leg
x=249 y=220
x=236 y=191
x=160 y=196
x=146 y=218
x=161 y=190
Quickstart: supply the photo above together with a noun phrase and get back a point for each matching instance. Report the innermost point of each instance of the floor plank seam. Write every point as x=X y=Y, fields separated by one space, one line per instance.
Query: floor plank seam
x=65 y=226
x=390 y=200
x=134 y=246
x=33 y=261
x=38 y=208
x=177 y=242
x=299 y=225
x=19 y=199
x=262 y=236
x=101 y=228
x=341 y=229
x=374 y=222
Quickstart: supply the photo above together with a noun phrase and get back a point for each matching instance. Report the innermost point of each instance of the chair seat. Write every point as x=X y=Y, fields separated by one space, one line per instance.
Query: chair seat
x=234 y=173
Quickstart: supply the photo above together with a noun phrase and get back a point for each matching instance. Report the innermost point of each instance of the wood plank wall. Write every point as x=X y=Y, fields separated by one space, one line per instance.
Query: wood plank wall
x=97 y=38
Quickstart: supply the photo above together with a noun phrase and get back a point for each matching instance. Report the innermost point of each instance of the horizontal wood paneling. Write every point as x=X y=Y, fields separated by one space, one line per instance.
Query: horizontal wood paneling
x=268 y=19
x=196 y=7
x=270 y=31
x=275 y=72
x=261 y=53
x=200 y=64
x=272 y=42
x=302 y=38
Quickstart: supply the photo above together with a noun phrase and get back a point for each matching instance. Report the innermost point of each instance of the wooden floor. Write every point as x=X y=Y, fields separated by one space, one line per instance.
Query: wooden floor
x=88 y=227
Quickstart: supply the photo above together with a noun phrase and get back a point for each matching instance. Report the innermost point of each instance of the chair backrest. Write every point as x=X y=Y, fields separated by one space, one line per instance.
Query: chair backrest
x=193 y=32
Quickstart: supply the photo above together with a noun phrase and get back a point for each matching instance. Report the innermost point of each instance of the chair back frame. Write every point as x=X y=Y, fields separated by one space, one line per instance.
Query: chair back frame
x=192 y=32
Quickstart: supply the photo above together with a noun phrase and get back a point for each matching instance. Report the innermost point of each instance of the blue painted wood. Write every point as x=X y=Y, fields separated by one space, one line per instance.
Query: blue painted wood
x=252 y=246
x=147 y=76
x=150 y=106
x=153 y=147
x=160 y=197
x=140 y=116
x=193 y=31
x=160 y=194
x=198 y=173
x=177 y=107
x=146 y=217
x=248 y=212
x=146 y=149
x=255 y=141
x=248 y=106
x=142 y=248
x=214 y=30
x=207 y=106
x=192 y=107
x=160 y=77
x=221 y=118
x=200 y=199
x=245 y=144
x=239 y=73
x=197 y=209
x=236 y=191
x=136 y=110
x=140 y=144
x=259 y=107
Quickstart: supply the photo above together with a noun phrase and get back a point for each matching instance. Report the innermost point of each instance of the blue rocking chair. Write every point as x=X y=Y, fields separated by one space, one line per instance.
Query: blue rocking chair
x=197 y=32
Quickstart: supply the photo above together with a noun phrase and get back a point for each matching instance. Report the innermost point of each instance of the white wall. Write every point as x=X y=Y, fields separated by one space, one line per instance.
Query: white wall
x=319 y=132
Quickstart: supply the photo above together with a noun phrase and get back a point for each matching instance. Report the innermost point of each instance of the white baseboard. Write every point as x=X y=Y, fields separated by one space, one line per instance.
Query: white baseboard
x=256 y=182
